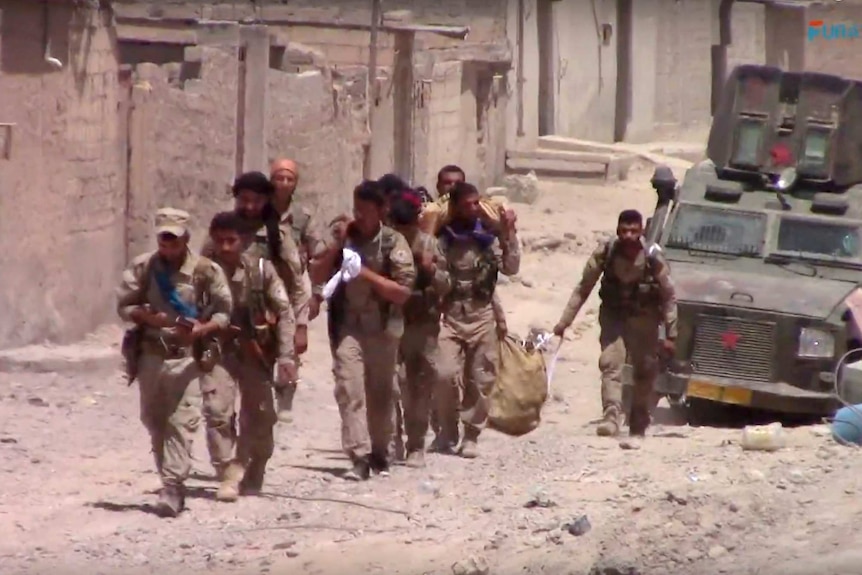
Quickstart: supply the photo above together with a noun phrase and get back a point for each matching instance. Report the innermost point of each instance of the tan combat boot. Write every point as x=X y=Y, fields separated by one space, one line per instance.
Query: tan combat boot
x=470 y=445
x=171 y=501
x=284 y=402
x=416 y=459
x=610 y=425
x=252 y=482
x=632 y=442
x=228 y=489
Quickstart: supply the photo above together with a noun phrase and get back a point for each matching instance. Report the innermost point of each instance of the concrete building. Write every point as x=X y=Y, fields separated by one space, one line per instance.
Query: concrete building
x=109 y=109
x=641 y=70
x=623 y=70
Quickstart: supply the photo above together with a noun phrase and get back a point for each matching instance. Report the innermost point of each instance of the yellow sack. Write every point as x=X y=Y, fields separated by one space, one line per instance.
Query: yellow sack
x=521 y=389
x=435 y=215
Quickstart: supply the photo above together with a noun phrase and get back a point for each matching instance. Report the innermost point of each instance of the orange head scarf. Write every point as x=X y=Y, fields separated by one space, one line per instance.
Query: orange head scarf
x=283 y=164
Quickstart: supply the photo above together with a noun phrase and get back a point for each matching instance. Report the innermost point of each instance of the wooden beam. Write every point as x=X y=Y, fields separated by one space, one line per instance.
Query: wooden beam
x=456 y=32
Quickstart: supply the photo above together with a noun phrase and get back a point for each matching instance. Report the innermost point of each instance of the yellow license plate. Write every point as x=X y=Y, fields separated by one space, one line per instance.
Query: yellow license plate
x=711 y=391
x=703 y=390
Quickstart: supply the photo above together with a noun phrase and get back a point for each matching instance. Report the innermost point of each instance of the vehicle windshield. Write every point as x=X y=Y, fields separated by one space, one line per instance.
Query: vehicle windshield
x=716 y=230
x=818 y=239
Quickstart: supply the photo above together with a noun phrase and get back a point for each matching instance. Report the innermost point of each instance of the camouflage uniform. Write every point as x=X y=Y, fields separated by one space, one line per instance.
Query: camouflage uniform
x=468 y=343
x=167 y=370
x=290 y=270
x=418 y=349
x=258 y=294
x=636 y=296
x=305 y=231
x=364 y=335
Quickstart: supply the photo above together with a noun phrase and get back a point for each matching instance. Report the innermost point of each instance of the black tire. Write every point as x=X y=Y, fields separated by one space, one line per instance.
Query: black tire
x=700 y=412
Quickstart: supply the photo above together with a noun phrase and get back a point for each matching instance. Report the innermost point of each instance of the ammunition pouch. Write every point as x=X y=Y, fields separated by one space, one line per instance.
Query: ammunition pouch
x=632 y=298
x=165 y=348
x=423 y=305
x=130 y=350
x=207 y=353
x=480 y=287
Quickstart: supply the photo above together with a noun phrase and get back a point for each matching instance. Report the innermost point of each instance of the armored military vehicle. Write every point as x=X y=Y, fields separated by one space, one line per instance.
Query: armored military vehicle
x=764 y=240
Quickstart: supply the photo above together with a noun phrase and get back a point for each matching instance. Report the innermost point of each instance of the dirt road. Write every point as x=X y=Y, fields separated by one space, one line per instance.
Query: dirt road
x=77 y=475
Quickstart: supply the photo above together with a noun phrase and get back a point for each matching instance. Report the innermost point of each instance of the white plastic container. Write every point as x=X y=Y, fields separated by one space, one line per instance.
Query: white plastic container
x=764 y=437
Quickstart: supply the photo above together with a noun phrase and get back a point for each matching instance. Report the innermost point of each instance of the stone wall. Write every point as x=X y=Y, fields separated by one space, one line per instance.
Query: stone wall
x=183 y=144
x=63 y=187
x=324 y=30
x=99 y=145
x=683 y=62
x=319 y=125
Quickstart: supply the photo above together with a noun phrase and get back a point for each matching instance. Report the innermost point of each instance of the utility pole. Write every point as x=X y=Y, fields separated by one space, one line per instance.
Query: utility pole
x=371 y=86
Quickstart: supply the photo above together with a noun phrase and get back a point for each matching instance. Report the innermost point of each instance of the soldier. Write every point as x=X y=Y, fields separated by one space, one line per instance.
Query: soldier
x=637 y=295
x=365 y=327
x=392 y=185
x=261 y=336
x=468 y=341
x=263 y=236
x=418 y=349
x=447 y=177
x=284 y=175
x=178 y=300
x=305 y=230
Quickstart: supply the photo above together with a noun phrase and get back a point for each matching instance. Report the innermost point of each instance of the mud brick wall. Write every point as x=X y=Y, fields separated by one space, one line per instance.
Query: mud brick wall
x=320 y=126
x=183 y=144
x=62 y=189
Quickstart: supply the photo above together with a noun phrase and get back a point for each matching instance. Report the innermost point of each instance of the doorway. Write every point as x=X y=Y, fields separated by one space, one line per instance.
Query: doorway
x=547 y=67
x=623 y=106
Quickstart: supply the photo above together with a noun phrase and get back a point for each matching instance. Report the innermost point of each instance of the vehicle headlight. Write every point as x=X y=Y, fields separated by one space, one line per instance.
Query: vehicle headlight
x=815 y=343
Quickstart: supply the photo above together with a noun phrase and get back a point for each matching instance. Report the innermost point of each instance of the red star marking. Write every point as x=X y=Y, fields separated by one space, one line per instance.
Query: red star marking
x=729 y=339
x=781 y=155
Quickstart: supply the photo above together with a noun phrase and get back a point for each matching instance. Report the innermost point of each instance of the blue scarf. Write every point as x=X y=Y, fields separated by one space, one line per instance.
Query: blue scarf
x=463 y=234
x=169 y=293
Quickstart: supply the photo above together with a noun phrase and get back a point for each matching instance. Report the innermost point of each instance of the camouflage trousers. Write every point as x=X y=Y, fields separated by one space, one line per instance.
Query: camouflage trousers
x=257 y=415
x=364 y=370
x=418 y=352
x=174 y=393
x=468 y=350
x=634 y=337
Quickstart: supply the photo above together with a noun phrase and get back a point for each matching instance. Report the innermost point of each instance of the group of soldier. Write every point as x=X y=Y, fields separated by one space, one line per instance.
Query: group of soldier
x=413 y=319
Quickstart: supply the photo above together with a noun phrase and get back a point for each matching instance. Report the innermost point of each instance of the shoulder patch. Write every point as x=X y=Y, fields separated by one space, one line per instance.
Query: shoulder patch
x=401 y=256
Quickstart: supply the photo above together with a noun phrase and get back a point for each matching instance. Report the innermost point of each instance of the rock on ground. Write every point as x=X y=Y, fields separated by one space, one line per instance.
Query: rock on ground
x=78 y=478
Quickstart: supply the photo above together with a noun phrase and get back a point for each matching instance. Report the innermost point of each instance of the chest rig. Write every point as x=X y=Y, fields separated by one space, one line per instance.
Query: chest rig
x=640 y=295
x=477 y=282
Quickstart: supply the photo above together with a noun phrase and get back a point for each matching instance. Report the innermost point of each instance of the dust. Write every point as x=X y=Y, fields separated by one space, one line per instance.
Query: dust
x=78 y=477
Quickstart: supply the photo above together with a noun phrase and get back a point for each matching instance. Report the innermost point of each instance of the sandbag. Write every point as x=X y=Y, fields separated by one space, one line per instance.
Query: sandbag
x=515 y=403
x=435 y=215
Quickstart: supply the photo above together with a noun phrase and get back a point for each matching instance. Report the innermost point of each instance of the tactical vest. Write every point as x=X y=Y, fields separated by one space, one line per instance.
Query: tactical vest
x=298 y=223
x=478 y=283
x=260 y=321
x=643 y=294
x=260 y=248
x=338 y=301
x=421 y=305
